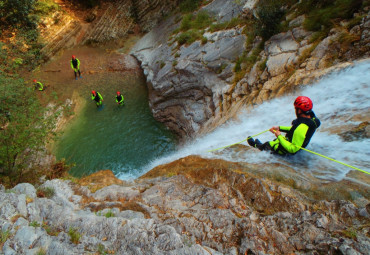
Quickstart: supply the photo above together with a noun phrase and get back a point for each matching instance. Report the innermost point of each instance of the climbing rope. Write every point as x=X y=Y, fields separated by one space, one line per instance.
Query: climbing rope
x=238 y=142
x=318 y=154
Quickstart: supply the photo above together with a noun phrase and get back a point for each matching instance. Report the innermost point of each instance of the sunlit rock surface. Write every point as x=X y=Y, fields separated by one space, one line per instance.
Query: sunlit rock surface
x=190 y=206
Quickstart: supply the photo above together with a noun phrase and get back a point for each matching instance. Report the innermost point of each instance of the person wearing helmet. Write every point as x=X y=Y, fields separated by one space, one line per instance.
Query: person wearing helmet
x=75 y=64
x=119 y=98
x=298 y=135
x=38 y=85
x=97 y=98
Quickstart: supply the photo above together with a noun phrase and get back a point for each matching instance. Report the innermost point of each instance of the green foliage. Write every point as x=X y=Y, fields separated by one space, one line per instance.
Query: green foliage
x=189 y=5
x=23 y=53
x=101 y=249
x=45 y=7
x=41 y=251
x=322 y=14
x=350 y=233
x=24 y=126
x=262 y=65
x=227 y=25
x=4 y=236
x=204 y=40
x=186 y=22
x=270 y=14
x=45 y=192
x=200 y=21
x=49 y=229
x=109 y=214
x=192 y=28
x=35 y=224
x=189 y=37
x=74 y=235
x=16 y=13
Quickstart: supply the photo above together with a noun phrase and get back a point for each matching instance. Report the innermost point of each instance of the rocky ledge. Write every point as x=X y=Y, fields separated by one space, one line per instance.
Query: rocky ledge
x=190 y=206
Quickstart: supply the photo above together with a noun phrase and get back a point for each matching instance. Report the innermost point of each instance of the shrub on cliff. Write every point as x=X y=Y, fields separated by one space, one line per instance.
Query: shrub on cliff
x=323 y=14
x=16 y=12
x=270 y=14
x=25 y=127
x=189 y=5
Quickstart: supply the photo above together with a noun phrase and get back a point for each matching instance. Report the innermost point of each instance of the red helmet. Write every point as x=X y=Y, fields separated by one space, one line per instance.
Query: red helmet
x=73 y=56
x=118 y=93
x=34 y=80
x=303 y=103
x=94 y=92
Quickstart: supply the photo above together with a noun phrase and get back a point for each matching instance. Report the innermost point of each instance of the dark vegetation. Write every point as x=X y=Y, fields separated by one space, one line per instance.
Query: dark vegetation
x=269 y=19
x=25 y=124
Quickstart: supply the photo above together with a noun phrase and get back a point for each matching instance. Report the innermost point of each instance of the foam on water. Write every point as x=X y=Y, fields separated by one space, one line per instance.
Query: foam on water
x=337 y=98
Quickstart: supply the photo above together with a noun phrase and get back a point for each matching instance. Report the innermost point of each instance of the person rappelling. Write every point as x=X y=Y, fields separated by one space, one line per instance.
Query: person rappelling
x=97 y=97
x=297 y=136
x=75 y=64
x=119 y=98
x=38 y=85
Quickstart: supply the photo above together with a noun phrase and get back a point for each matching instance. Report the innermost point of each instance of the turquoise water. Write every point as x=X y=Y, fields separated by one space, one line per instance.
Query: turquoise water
x=123 y=139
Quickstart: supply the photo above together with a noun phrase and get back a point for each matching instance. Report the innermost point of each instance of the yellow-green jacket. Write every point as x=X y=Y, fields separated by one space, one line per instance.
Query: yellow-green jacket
x=298 y=135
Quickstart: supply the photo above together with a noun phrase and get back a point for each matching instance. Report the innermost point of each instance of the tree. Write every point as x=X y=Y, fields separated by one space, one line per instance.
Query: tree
x=25 y=126
x=269 y=14
x=16 y=12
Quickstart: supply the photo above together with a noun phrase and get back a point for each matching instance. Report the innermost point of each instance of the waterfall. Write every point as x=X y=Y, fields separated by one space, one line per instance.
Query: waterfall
x=340 y=99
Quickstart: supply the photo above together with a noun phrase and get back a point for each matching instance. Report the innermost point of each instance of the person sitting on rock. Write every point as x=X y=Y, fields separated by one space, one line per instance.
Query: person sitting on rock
x=119 y=98
x=298 y=135
x=38 y=85
x=75 y=64
x=97 y=97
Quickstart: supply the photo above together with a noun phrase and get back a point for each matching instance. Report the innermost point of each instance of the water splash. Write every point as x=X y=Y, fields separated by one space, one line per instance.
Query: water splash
x=338 y=98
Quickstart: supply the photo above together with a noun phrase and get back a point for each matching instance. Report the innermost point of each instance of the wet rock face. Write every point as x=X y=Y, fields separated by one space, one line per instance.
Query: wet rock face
x=185 y=88
x=362 y=131
x=192 y=86
x=202 y=209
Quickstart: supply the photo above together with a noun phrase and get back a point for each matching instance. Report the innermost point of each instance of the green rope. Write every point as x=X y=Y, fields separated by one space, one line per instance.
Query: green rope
x=318 y=154
x=332 y=159
x=238 y=142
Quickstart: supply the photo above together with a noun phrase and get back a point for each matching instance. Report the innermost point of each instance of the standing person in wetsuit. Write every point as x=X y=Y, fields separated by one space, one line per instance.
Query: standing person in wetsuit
x=119 y=98
x=298 y=135
x=97 y=98
x=75 y=64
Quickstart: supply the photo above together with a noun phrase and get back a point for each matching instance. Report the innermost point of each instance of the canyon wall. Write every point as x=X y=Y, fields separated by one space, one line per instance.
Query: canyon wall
x=193 y=87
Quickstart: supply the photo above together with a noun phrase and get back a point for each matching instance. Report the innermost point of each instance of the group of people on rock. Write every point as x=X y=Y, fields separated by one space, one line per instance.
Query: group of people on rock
x=95 y=96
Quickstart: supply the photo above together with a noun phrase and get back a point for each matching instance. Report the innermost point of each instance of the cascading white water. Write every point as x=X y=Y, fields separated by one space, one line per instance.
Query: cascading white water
x=338 y=98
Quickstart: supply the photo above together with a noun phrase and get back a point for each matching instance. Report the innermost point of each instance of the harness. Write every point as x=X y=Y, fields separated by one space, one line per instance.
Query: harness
x=312 y=123
x=74 y=63
x=97 y=97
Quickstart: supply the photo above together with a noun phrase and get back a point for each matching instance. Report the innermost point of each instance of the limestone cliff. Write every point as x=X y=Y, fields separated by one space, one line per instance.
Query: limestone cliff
x=193 y=86
x=190 y=206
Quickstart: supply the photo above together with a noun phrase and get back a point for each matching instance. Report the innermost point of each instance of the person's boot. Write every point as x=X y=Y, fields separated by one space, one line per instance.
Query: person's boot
x=251 y=141
x=258 y=144
x=254 y=143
